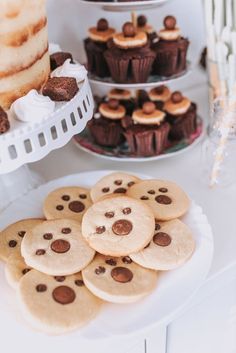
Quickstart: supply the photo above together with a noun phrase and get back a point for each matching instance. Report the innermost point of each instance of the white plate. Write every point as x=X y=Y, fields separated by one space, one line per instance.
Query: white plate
x=126 y=6
x=173 y=291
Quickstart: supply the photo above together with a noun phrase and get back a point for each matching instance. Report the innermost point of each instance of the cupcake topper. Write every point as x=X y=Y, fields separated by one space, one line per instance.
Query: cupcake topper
x=169 y=22
x=129 y=29
x=149 y=108
x=176 y=97
x=142 y=21
x=113 y=104
x=102 y=25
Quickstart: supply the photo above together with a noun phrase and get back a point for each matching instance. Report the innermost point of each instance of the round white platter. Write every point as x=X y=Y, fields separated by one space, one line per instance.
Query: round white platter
x=29 y=142
x=173 y=291
x=121 y=6
x=153 y=81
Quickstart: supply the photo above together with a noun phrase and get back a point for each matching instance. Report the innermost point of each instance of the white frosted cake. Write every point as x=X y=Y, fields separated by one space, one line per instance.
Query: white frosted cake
x=24 y=59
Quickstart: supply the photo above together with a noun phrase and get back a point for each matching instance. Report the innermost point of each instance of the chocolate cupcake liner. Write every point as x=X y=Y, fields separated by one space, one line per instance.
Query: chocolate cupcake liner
x=109 y=135
x=97 y=64
x=184 y=126
x=141 y=69
x=118 y=68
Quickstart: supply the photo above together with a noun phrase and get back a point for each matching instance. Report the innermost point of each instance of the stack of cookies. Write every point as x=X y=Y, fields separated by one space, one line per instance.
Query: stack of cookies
x=105 y=244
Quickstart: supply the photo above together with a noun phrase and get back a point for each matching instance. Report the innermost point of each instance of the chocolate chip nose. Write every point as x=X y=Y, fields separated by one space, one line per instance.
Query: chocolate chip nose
x=122 y=227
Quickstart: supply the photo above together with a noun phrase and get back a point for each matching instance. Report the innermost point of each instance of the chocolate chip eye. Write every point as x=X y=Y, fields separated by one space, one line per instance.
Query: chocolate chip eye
x=131 y=183
x=163 y=190
x=127 y=210
x=83 y=196
x=100 y=230
x=127 y=260
x=66 y=230
x=65 y=197
x=41 y=288
x=25 y=270
x=79 y=282
x=60 y=278
x=60 y=207
x=99 y=270
x=151 y=192
x=21 y=233
x=12 y=243
x=40 y=252
x=109 y=214
x=105 y=190
x=48 y=236
x=111 y=262
x=144 y=198
x=118 y=182
x=157 y=226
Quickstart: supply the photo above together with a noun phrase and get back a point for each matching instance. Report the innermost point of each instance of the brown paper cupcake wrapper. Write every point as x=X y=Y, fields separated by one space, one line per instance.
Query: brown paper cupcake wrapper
x=184 y=128
x=97 y=64
x=109 y=134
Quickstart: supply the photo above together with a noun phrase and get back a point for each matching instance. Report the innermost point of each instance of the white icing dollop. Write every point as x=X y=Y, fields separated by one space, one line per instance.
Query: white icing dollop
x=33 y=107
x=54 y=48
x=68 y=69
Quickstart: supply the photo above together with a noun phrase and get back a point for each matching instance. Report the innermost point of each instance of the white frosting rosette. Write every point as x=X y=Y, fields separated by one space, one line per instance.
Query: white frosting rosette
x=33 y=107
x=69 y=69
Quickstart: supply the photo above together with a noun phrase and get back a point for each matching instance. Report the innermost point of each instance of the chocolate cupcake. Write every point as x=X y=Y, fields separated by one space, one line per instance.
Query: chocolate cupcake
x=4 y=122
x=171 y=50
x=181 y=114
x=95 y=46
x=148 y=134
x=129 y=56
x=106 y=130
x=124 y=96
x=159 y=95
x=143 y=26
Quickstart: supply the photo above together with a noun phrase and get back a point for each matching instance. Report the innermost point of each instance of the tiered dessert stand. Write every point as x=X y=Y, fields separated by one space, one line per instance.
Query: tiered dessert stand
x=30 y=142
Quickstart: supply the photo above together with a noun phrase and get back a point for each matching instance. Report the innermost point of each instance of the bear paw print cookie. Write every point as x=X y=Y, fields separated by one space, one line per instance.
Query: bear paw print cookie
x=56 y=247
x=171 y=246
x=118 y=280
x=118 y=226
x=166 y=199
x=115 y=183
x=67 y=202
x=56 y=304
x=11 y=237
x=15 y=269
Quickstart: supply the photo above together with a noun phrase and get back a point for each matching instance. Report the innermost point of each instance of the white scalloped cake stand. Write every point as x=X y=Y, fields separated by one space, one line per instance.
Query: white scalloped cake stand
x=120 y=6
x=30 y=142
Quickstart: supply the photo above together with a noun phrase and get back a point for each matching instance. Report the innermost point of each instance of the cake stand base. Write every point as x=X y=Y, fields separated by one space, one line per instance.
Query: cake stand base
x=16 y=184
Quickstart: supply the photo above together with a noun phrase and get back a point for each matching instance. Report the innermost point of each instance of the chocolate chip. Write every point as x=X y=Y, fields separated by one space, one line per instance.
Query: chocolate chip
x=48 y=236
x=118 y=182
x=83 y=196
x=60 y=89
x=60 y=246
x=176 y=97
x=162 y=239
x=66 y=230
x=131 y=183
x=128 y=29
x=105 y=190
x=127 y=210
x=40 y=252
x=163 y=190
x=12 y=243
x=121 y=274
x=111 y=262
x=113 y=104
x=60 y=207
x=170 y=22
x=60 y=278
x=79 y=282
x=141 y=20
x=109 y=214
x=102 y=25
x=58 y=59
x=149 y=108
x=122 y=227
x=144 y=198
x=163 y=199
x=4 y=122
x=120 y=191
x=100 y=230
x=63 y=295
x=157 y=226
x=151 y=192
x=25 y=270
x=76 y=206
x=99 y=270
x=147 y=246
x=65 y=197
x=41 y=288
x=21 y=233
x=127 y=260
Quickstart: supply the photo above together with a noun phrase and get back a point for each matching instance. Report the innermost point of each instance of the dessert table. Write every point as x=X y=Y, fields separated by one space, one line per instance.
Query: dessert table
x=207 y=322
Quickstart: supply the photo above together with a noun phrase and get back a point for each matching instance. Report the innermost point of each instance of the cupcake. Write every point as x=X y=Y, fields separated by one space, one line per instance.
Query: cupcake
x=159 y=95
x=148 y=134
x=124 y=96
x=143 y=26
x=129 y=56
x=171 y=50
x=105 y=127
x=181 y=114
x=95 y=46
